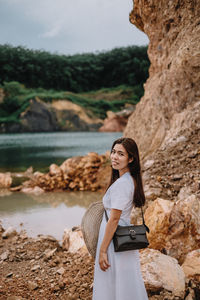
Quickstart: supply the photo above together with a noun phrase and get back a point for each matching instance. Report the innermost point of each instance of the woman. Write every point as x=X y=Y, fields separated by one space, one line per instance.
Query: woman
x=117 y=275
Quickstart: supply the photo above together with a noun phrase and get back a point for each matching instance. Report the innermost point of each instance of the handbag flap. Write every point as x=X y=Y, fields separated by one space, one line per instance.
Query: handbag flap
x=125 y=230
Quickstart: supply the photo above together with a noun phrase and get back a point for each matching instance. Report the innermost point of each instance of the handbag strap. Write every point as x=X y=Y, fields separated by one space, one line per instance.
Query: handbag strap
x=147 y=228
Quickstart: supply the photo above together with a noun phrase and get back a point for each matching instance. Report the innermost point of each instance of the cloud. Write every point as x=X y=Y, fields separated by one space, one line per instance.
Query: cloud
x=53 y=31
x=68 y=26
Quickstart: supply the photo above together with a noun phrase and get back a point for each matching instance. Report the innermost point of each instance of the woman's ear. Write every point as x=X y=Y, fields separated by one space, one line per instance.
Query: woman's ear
x=130 y=160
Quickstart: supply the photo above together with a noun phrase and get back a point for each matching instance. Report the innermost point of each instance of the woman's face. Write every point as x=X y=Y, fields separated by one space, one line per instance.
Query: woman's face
x=119 y=158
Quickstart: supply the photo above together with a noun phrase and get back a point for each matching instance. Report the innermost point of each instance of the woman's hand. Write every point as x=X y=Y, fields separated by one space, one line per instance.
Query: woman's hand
x=103 y=261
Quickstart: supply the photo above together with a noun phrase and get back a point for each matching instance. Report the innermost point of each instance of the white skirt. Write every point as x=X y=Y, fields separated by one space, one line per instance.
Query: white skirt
x=123 y=279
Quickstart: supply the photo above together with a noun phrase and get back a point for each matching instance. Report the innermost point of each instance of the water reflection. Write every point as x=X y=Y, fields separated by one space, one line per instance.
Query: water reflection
x=70 y=199
x=48 y=213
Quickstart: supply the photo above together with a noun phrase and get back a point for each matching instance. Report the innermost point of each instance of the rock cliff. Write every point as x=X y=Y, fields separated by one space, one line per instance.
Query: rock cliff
x=116 y=122
x=170 y=107
x=60 y=115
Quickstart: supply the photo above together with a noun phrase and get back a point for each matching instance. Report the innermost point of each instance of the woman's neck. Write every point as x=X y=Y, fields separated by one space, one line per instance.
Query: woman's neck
x=123 y=171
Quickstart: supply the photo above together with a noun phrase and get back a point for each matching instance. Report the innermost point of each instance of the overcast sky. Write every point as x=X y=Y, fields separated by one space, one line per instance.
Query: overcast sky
x=68 y=26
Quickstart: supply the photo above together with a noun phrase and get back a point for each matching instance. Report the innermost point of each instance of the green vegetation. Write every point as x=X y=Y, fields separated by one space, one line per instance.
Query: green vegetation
x=97 y=102
x=98 y=82
x=76 y=73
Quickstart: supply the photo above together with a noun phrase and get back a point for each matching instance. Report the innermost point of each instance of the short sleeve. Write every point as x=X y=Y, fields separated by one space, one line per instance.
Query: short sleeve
x=121 y=194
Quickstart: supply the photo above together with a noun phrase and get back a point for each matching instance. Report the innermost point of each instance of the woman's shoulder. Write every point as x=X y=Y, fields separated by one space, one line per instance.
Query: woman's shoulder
x=125 y=180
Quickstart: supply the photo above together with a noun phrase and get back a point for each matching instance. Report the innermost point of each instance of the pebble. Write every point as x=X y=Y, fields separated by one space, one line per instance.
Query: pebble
x=15 y=298
x=36 y=267
x=4 y=255
x=49 y=253
x=9 y=232
x=61 y=271
x=32 y=285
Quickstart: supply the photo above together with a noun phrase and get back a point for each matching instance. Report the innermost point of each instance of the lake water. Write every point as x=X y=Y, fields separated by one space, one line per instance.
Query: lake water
x=39 y=150
x=49 y=213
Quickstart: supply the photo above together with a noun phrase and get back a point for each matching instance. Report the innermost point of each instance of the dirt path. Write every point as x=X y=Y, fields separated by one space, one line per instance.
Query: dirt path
x=40 y=269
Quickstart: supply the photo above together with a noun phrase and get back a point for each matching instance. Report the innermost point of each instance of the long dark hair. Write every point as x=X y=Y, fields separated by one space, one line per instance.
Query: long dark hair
x=134 y=167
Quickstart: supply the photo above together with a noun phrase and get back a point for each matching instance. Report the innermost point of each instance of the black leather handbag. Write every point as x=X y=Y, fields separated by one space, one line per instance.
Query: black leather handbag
x=131 y=237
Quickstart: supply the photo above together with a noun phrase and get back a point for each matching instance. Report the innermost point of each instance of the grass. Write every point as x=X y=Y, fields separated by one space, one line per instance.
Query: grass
x=95 y=102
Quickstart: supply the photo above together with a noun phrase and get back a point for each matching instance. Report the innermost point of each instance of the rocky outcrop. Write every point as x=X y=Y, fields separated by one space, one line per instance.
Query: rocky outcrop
x=116 y=122
x=60 y=115
x=174 y=170
x=80 y=173
x=5 y=180
x=73 y=117
x=174 y=227
x=38 y=117
x=191 y=265
x=162 y=272
x=171 y=103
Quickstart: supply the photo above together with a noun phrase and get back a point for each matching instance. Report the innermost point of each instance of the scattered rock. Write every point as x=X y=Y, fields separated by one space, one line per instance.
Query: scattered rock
x=42 y=237
x=15 y=298
x=49 y=253
x=184 y=193
x=191 y=265
x=73 y=241
x=55 y=170
x=4 y=255
x=151 y=193
x=61 y=271
x=9 y=232
x=80 y=173
x=36 y=267
x=35 y=190
x=32 y=285
x=148 y=164
x=162 y=272
x=5 y=180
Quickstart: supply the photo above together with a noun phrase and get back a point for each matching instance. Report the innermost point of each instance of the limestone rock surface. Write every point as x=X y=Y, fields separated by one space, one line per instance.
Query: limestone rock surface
x=174 y=227
x=116 y=122
x=73 y=241
x=73 y=117
x=191 y=265
x=184 y=229
x=157 y=218
x=5 y=180
x=161 y=271
x=171 y=103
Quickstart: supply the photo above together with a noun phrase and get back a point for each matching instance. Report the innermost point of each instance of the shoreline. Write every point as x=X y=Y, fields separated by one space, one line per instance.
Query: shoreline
x=41 y=268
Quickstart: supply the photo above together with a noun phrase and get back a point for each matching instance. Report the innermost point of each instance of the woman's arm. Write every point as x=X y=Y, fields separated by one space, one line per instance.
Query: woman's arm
x=109 y=232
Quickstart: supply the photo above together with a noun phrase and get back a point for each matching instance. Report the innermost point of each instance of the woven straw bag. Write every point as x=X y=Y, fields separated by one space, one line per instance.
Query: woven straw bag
x=90 y=226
